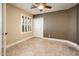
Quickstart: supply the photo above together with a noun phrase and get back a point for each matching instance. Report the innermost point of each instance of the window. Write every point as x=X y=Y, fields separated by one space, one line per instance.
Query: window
x=26 y=24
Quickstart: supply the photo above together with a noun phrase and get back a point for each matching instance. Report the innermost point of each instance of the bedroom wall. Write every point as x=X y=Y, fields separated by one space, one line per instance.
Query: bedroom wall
x=72 y=16
x=13 y=24
x=56 y=25
x=61 y=24
x=77 y=24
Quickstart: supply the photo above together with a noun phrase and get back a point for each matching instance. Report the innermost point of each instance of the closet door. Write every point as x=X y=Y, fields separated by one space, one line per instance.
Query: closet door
x=38 y=26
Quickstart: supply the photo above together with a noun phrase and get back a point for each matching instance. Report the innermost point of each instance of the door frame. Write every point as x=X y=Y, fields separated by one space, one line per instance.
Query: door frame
x=0 y=29
x=3 y=29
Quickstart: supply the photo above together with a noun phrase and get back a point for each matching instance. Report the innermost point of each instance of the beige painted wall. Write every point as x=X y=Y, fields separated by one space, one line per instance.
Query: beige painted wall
x=77 y=24
x=56 y=25
x=61 y=24
x=72 y=16
x=13 y=24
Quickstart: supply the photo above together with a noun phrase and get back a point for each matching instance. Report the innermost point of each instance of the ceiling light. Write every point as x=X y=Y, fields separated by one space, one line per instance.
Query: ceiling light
x=40 y=7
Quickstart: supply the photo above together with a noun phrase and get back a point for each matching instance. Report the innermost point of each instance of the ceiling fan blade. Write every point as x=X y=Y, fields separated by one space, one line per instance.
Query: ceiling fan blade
x=44 y=3
x=33 y=6
x=36 y=4
x=49 y=7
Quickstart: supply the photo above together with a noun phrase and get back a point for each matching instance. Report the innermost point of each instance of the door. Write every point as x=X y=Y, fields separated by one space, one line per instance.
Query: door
x=4 y=29
x=0 y=29
x=38 y=26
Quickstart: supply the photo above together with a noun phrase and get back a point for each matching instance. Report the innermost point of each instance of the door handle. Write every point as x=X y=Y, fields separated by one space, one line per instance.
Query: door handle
x=4 y=33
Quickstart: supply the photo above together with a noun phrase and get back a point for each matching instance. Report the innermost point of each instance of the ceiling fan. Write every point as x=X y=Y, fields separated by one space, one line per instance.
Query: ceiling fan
x=41 y=6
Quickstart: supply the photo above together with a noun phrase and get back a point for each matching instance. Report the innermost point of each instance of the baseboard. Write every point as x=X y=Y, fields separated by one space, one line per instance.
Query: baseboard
x=10 y=45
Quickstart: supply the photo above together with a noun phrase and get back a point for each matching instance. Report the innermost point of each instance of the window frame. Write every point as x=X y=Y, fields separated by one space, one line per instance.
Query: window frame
x=26 y=24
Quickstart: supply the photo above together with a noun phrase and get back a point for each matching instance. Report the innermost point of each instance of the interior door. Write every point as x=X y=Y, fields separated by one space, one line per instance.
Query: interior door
x=0 y=29
x=38 y=26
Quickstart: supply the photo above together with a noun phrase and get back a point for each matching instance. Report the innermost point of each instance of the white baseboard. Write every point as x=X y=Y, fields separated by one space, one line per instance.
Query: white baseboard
x=10 y=45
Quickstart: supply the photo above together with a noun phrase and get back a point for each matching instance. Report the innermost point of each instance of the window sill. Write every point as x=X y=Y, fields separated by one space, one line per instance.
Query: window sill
x=26 y=32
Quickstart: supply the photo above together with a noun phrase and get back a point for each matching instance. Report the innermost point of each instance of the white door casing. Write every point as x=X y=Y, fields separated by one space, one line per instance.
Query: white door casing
x=4 y=28
x=0 y=29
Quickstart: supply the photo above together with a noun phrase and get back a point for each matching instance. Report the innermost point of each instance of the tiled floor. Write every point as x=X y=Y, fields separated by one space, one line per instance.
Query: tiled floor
x=41 y=47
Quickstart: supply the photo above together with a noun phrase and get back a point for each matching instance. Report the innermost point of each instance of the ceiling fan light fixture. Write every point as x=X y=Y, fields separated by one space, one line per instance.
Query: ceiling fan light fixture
x=41 y=7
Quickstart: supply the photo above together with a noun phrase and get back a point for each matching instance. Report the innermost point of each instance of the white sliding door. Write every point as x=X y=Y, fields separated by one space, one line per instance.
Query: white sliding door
x=38 y=26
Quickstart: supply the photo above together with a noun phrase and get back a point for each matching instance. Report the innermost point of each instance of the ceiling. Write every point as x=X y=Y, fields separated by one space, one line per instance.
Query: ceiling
x=55 y=7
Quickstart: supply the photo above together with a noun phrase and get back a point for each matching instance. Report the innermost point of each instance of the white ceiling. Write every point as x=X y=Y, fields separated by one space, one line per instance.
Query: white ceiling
x=55 y=7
